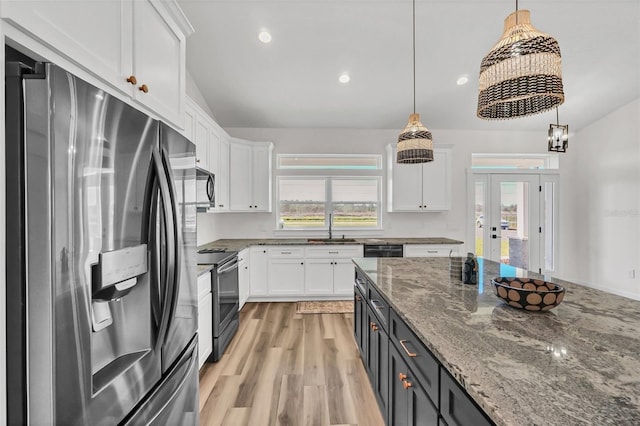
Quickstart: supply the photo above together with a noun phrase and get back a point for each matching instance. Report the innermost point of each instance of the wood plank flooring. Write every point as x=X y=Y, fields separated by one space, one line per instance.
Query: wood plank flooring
x=288 y=369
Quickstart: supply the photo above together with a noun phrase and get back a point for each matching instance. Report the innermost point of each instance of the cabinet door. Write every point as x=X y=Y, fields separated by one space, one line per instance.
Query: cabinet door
x=318 y=276
x=214 y=152
x=190 y=124
x=360 y=323
x=243 y=277
x=286 y=277
x=93 y=33
x=205 y=328
x=344 y=272
x=398 y=414
x=258 y=271
x=436 y=181
x=261 y=178
x=407 y=187
x=158 y=61
x=420 y=408
x=201 y=139
x=240 y=191
x=222 y=177
x=378 y=360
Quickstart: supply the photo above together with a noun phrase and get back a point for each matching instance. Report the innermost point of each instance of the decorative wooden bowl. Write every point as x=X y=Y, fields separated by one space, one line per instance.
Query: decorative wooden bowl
x=528 y=293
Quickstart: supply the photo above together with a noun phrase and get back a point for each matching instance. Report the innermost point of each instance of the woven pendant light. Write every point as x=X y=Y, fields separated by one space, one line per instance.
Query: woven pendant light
x=522 y=73
x=415 y=144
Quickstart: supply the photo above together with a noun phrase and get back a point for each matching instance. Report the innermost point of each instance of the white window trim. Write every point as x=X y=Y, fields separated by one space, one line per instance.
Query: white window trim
x=328 y=203
x=377 y=157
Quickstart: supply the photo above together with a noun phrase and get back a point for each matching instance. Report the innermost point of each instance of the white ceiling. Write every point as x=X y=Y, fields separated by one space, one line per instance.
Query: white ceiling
x=293 y=81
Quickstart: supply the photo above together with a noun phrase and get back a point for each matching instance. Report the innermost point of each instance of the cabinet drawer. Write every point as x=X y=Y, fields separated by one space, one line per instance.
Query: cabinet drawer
x=456 y=407
x=430 y=250
x=416 y=355
x=334 y=252
x=285 y=252
x=379 y=306
x=361 y=283
x=204 y=285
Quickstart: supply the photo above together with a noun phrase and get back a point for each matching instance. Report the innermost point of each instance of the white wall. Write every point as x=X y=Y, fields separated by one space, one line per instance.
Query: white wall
x=448 y=224
x=600 y=204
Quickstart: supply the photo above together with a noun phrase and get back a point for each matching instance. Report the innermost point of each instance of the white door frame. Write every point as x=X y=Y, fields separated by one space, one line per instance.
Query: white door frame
x=549 y=180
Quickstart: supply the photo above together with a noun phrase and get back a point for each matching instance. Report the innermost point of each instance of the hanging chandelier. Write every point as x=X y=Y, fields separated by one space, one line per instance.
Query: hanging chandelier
x=522 y=74
x=558 y=135
x=415 y=143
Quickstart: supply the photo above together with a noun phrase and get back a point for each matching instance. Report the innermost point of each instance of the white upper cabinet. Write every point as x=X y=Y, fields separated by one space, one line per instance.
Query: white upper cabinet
x=222 y=176
x=420 y=187
x=136 y=47
x=250 y=180
x=157 y=60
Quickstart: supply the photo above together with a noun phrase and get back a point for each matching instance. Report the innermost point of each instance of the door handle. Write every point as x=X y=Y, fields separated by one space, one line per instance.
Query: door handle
x=157 y=184
x=494 y=236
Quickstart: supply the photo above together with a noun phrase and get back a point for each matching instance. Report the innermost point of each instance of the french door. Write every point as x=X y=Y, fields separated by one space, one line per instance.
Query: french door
x=514 y=218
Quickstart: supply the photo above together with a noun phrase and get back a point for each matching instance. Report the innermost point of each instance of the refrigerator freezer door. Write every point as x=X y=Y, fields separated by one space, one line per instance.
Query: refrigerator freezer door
x=175 y=400
x=87 y=156
x=179 y=160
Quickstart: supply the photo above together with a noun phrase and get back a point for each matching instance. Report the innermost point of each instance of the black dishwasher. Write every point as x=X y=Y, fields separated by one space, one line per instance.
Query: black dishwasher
x=383 y=250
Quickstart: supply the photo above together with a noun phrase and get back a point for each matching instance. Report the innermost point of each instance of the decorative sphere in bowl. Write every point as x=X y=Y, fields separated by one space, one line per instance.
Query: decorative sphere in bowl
x=528 y=293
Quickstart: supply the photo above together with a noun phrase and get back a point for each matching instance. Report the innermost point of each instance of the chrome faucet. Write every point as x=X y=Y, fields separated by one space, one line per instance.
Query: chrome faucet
x=330 y=225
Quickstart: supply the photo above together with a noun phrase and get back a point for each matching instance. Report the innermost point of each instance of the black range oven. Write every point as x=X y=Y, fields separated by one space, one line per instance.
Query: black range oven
x=225 y=295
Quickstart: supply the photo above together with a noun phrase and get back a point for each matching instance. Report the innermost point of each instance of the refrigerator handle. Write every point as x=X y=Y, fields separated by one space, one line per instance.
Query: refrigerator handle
x=167 y=302
x=175 y=258
x=149 y=236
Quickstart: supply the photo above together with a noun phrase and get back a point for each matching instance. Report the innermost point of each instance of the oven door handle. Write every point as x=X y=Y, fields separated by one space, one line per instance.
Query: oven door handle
x=228 y=266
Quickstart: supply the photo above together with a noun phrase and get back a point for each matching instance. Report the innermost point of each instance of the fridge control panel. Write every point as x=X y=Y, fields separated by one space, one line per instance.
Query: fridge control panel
x=115 y=273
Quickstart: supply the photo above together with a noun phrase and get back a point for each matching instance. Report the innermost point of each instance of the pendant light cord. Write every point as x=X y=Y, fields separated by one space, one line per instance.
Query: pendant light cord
x=414 y=56
x=557 y=117
x=516 y=12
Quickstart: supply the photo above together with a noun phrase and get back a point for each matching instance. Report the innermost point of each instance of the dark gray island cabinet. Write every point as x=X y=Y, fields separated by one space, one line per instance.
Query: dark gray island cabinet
x=411 y=387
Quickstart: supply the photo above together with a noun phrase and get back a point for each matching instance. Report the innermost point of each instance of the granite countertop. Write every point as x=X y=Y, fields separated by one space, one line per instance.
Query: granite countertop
x=576 y=364
x=203 y=269
x=239 y=244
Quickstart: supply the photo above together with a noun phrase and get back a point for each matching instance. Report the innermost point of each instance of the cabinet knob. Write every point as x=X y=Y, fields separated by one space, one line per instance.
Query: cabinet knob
x=197 y=160
x=222 y=205
x=406 y=384
x=132 y=79
x=144 y=88
x=402 y=376
x=302 y=263
x=358 y=298
x=374 y=327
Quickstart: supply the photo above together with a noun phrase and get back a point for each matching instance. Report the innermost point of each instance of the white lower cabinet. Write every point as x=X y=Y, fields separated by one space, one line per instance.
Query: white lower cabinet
x=205 y=315
x=431 y=250
x=285 y=271
x=318 y=276
x=303 y=272
x=344 y=272
x=244 y=278
x=258 y=271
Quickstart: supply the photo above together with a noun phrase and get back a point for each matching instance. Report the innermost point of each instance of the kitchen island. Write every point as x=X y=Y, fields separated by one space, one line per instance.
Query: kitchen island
x=576 y=364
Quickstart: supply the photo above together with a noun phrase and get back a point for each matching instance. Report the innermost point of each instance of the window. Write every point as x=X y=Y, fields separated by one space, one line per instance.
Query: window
x=305 y=202
x=514 y=161
x=329 y=162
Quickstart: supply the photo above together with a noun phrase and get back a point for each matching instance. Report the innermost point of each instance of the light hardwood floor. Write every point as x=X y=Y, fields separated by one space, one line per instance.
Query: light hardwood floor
x=284 y=368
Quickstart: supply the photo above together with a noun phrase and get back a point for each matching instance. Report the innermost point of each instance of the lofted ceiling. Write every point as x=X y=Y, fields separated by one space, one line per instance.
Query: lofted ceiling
x=293 y=81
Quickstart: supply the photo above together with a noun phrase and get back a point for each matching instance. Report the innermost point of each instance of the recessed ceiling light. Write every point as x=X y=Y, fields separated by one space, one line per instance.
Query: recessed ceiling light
x=462 y=80
x=344 y=78
x=264 y=36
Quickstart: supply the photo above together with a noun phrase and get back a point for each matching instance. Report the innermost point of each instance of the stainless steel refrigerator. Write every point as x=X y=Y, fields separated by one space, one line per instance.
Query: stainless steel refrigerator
x=101 y=266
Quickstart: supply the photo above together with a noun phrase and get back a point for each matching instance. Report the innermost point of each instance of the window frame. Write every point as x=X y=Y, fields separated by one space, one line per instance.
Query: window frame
x=329 y=203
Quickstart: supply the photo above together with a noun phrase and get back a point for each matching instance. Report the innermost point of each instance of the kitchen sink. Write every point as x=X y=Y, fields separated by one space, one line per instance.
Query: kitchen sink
x=330 y=240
